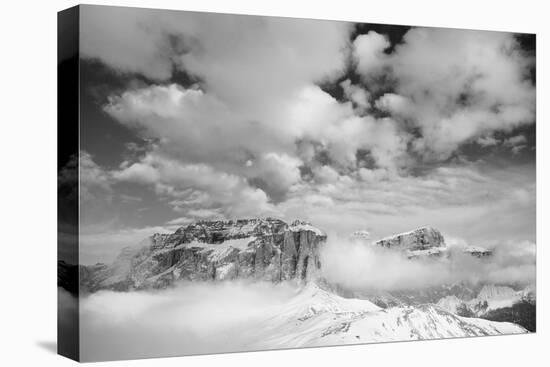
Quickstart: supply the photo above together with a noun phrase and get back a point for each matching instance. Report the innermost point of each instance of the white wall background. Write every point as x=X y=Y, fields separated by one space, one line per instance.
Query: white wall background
x=28 y=181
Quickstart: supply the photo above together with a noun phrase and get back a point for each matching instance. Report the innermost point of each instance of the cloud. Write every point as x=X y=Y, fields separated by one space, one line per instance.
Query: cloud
x=358 y=265
x=85 y=178
x=515 y=140
x=127 y=39
x=357 y=95
x=487 y=141
x=368 y=52
x=276 y=172
x=192 y=126
x=103 y=245
x=395 y=104
x=230 y=53
x=454 y=85
x=516 y=143
x=473 y=201
x=194 y=188
x=251 y=132
x=193 y=318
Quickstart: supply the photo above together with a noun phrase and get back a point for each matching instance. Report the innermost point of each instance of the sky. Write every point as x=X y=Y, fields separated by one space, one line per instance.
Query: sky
x=188 y=116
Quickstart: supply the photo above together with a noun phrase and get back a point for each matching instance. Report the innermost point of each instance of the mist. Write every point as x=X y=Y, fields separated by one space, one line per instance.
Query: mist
x=358 y=265
x=191 y=318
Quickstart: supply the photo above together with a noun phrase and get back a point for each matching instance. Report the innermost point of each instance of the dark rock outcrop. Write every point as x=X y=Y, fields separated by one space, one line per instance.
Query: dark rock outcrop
x=478 y=252
x=266 y=249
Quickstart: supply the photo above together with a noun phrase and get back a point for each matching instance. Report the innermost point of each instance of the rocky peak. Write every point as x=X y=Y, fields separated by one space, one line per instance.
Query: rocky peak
x=299 y=226
x=268 y=249
x=218 y=231
x=419 y=239
x=477 y=251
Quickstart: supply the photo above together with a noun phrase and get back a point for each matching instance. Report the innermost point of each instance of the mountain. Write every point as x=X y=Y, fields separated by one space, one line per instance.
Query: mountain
x=321 y=313
x=421 y=242
x=266 y=249
x=499 y=303
x=317 y=317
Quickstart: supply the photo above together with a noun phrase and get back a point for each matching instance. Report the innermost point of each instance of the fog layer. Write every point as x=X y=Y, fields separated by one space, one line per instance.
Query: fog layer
x=192 y=318
x=358 y=265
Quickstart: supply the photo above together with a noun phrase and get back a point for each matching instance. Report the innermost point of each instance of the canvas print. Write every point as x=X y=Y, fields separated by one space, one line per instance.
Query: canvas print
x=235 y=183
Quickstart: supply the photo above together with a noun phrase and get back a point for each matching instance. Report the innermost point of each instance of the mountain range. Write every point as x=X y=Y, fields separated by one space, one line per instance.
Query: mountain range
x=321 y=313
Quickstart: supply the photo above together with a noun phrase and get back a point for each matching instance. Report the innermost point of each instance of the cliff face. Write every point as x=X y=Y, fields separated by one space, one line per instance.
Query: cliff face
x=418 y=243
x=424 y=238
x=267 y=249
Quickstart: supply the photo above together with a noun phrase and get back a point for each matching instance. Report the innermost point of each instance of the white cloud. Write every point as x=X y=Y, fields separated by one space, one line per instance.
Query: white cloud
x=395 y=104
x=94 y=182
x=193 y=187
x=257 y=135
x=358 y=265
x=236 y=56
x=487 y=141
x=278 y=172
x=515 y=140
x=126 y=39
x=193 y=318
x=368 y=52
x=359 y=96
x=455 y=85
x=476 y=202
x=516 y=143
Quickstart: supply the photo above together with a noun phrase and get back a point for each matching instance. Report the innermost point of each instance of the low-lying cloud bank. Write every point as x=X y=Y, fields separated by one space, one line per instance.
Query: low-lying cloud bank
x=192 y=318
x=214 y=317
x=357 y=265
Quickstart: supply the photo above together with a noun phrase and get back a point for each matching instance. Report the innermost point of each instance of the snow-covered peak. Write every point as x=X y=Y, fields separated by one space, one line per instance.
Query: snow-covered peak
x=421 y=238
x=299 y=226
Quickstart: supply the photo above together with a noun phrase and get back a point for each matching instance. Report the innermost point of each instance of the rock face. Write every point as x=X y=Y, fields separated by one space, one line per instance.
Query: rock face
x=424 y=238
x=477 y=251
x=267 y=249
x=418 y=243
x=497 y=303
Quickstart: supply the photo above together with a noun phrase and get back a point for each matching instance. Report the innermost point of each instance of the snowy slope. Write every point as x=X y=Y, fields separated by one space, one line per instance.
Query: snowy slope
x=490 y=297
x=316 y=317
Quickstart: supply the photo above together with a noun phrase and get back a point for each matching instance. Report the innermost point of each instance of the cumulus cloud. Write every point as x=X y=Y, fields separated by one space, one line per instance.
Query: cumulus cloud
x=487 y=141
x=359 y=96
x=127 y=39
x=196 y=127
x=368 y=52
x=236 y=56
x=255 y=132
x=193 y=318
x=193 y=188
x=250 y=69
x=455 y=85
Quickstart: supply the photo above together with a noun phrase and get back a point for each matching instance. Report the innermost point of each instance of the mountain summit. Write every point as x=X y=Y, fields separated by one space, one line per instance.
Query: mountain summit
x=266 y=249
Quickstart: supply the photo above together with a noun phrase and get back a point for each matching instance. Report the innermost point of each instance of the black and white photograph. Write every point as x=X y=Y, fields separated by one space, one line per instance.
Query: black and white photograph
x=247 y=183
